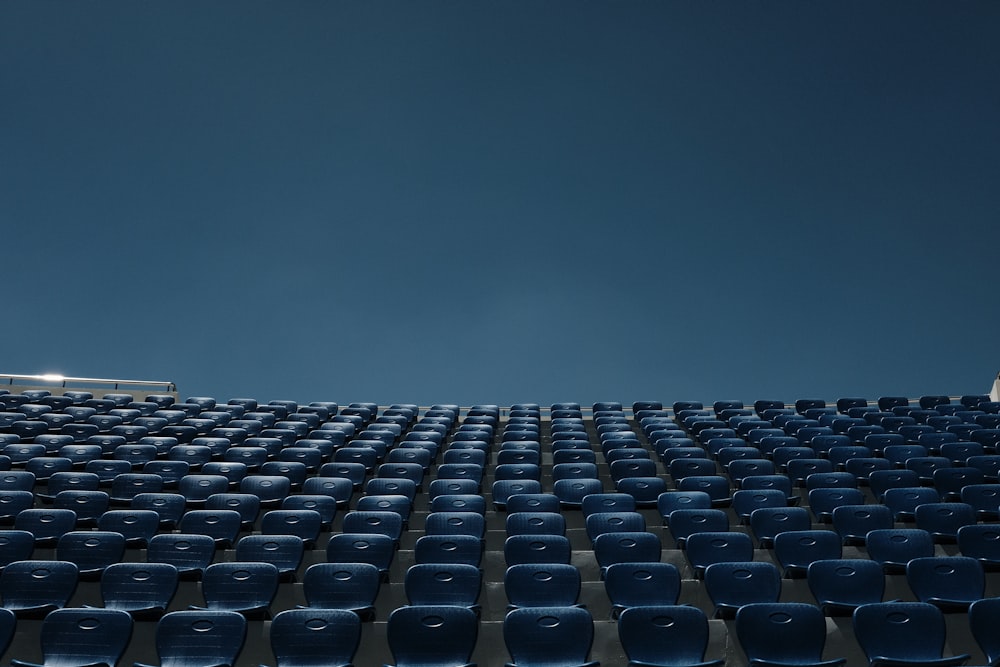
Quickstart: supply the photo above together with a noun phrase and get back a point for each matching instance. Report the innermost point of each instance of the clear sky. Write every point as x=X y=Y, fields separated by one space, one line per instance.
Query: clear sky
x=471 y=201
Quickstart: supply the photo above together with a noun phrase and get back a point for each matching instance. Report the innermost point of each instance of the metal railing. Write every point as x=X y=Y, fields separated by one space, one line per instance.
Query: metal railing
x=66 y=381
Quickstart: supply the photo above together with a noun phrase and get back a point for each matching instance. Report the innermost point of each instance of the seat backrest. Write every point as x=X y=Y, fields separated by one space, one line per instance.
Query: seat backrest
x=840 y=586
x=704 y=549
x=37 y=586
x=347 y=586
x=627 y=547
x=665 y=635
x=443 y=584
x=685 y=522
x=641 y=584
x=901 y=631
x=732 y=585
x=984 y=617
x=376 y=549
x=536 y=549
x=549 y=635
x=85 y=636
x=455 y=523
x=782 y=633
x=189 y=553
x=283 y=551
x=315 y=637
x=448 y=549
x=796 y=549
x=895 y=547
x=542 y=585
x=91 y=550
x=432 y=635
x=242 y=587
x=139 y=588
x=949 y=582
x=200 y=638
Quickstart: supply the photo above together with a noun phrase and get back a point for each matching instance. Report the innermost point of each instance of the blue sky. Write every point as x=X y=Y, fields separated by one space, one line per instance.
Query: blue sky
x=502 y=202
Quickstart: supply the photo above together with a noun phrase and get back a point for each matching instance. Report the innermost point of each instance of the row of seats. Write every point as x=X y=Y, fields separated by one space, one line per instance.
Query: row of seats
x=530 y=456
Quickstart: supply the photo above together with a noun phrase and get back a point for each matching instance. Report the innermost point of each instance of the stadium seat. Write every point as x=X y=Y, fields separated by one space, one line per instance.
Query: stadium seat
x=950 y=583
x=283 y=551
x=82 y=637
x=641 y=584
x=796 y=550
x=732 y=585
x=536 y=549
x=378 y=550
x=33 y=588
x=443 y=584
x=190 y=553
x=347 y=586
x=895 y=547
x=246 y=588
x=665 y=636
x=705 y=548
x=542 y=585
x=897 y=634
x=431 y=636
x=199 y=639
x=554 y=636
x=787 y=633
x=841 y=586
x=315 y=637
x=144 y=590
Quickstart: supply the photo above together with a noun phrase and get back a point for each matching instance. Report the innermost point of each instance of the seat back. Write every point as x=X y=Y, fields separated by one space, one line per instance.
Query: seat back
x=542 y=585
x=642 y=584
x=782 y=633
x=549 y=635
x=432 y=635
x=840 y=586
x=665 y=635
x=85 y=636
x=199 y=638
x=142 y=589
x=315 y=637
x=901 y=631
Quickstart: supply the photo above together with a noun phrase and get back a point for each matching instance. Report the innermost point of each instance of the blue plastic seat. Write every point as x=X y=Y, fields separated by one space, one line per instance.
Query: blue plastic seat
x=199 y=639
x=982 y=542
x=246 y=588
x=189 y=553
x=685 y=522
x=432 y=636
x=315 y=637
x=285 y=552
x=536 y=549
x=197 y=488
x=47 y=525
x=746 y=501
x=841 y=586
x=943 y=520
x=767 y=523
x=984 y=618
x=33 y=588
x=627 y=547
x=368 y=522
x=614 y=522
x=223 y=526
x=169 y=507
x=732 y=585
x=144 y=590
x=705 y=548
x=645 y=490
x=951 y=583
x=823 y=501
x=665 y=636
x=386 y=486
x=789 y=633
x=302 y=523
x=375 y=549
x=459 y=503
x=82 y=637
x=339 y=488
x=895 y=547
x=903 y=502
x=455 y=523
x=901 y=634
x=17 y=480
x=796 y=550
x=852 y=522
x=641 y=584
x=542 y=585
x=549 y=637
x=270 y=489
x=535 y=523
x=532 y=502
x=91 y=551
x=443 y=584
x=346 y=586
x=448 y=549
